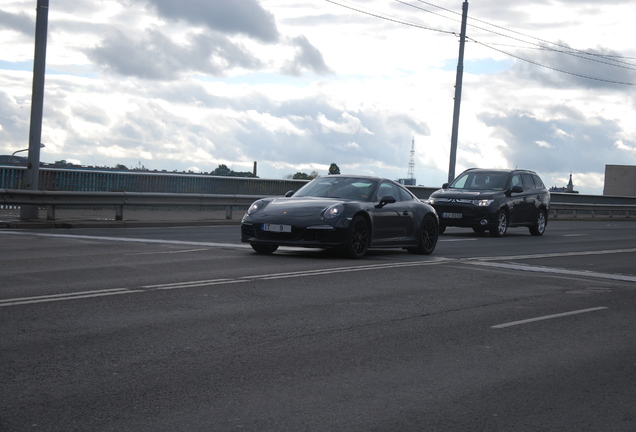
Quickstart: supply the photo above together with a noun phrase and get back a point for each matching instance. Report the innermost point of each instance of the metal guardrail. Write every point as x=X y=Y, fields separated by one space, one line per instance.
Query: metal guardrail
x=110 y=180
x=592 y=211
x=119 y=200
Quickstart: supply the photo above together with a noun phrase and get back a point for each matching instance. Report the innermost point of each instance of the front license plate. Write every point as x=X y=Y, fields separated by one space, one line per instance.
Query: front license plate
x=276 y=228
x=452 y=215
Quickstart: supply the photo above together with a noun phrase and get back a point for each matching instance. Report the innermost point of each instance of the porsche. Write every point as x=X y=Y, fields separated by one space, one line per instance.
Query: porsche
x=343 y=212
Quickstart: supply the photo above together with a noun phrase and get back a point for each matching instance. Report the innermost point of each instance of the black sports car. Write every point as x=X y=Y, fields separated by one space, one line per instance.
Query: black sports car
x=352 y=213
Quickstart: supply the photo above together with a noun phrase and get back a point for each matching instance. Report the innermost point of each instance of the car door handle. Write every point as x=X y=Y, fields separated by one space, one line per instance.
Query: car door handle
x=405 y=213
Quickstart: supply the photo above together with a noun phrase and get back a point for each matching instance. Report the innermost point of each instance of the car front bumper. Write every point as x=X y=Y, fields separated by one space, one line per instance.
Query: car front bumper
x=466 y=216
x=319 y=236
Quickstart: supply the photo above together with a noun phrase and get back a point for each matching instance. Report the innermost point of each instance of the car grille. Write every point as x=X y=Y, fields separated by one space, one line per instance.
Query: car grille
x=469 y=212
x=317 y=235
x=453 y=209
x=296 y=235
x=247 y=230
x=266 y=235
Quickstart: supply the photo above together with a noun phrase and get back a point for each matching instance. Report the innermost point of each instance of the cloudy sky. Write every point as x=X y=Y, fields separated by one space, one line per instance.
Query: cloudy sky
x=548 y=85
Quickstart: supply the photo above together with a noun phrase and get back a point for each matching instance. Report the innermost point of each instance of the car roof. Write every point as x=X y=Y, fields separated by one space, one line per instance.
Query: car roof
x=368 y=177
x=501 y=170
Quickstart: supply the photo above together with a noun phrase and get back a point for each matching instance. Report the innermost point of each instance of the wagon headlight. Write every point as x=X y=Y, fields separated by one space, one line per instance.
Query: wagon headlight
x=483 y=202
x=256 y=206
x=431 y=200
x=333 y=212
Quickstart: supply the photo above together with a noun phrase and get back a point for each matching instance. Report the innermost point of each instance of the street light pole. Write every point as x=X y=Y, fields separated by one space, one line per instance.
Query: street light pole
x=32 y=176
x=20 y=151
x=458 y=94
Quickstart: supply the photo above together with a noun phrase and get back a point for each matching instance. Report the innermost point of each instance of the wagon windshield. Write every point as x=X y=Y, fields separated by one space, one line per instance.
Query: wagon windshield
x=482 y=180
x=352 y=188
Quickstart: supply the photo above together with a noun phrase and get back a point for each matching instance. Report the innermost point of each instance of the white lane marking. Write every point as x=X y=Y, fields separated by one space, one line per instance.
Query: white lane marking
x=65 y=297
x=538 y=269
x=432 y=261
x=131 y=240
x=166 y=252
x=211 y=282
x=247 y=246
x=547 y=317
x=574 y=235
x=484 y=261
x=175 y=242
x=553 y=255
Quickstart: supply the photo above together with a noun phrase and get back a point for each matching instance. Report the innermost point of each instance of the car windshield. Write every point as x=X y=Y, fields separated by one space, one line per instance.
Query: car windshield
x=351 y=188
x=482 y=180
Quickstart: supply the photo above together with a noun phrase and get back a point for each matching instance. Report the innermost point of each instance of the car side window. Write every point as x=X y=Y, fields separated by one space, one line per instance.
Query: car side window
x=516 y=181
x=537 y=182
x=404 y=195
x=387 y=189
x=528 y=182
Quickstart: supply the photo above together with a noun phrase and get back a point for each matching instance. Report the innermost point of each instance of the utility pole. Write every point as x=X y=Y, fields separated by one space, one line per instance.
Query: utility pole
x=458 y=93
x=37 y=104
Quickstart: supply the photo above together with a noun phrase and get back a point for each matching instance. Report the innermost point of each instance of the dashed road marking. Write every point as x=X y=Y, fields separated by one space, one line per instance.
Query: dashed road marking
x=547 y=317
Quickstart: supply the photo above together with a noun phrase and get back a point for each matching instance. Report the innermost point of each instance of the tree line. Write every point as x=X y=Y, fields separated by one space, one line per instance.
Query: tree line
x=224 y=170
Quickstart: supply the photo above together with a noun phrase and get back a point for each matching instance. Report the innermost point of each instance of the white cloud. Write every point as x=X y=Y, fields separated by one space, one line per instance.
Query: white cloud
x=298 y=85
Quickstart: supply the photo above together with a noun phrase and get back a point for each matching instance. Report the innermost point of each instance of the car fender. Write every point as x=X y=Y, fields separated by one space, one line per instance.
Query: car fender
x=507 y=207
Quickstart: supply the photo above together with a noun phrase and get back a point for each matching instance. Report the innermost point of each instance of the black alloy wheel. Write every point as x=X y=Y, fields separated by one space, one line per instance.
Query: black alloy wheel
x=501 y=224
x=539 y=227
x=429 y=233
x=264 y=249
x=359 y=237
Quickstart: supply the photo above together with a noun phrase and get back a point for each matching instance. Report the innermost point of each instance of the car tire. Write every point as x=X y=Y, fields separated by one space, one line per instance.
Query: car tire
x=428 y=235
x=501 y=224
x=264 y=249
x=358 y=237
x=539 y=227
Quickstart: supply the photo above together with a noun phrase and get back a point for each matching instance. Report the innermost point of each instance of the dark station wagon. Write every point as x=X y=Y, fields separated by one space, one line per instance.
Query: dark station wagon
x=493 y=200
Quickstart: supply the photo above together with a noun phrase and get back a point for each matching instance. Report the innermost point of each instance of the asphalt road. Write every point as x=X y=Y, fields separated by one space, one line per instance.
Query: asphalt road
x=186 y=329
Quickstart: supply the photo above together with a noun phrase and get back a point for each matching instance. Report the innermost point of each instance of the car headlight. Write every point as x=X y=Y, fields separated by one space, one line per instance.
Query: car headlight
x=431 y=201
x=333 y=212
x=256 y=206
x=483 y=202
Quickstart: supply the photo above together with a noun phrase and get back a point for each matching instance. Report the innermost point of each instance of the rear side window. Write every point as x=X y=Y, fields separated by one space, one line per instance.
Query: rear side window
x=528 y=182
x=404 y=195
x=537 y=182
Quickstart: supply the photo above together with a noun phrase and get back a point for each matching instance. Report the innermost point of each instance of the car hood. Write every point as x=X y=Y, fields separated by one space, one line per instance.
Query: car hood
x=465 y=194
x=299 y=206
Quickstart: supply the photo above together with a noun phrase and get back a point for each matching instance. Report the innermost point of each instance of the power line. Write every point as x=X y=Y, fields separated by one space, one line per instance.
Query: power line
x=553 y=68
x=388 y=18
x=572 y=51
x=513 y=31
x=609 y=60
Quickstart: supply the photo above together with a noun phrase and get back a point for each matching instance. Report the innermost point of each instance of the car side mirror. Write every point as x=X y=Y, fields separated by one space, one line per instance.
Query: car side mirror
x=289 y=193
x=516 y=189
x=387 y=199
x=445 y=186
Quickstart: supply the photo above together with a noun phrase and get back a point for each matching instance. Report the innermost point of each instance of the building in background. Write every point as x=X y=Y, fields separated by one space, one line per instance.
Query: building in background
x=620 y=180
x=568 y=189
